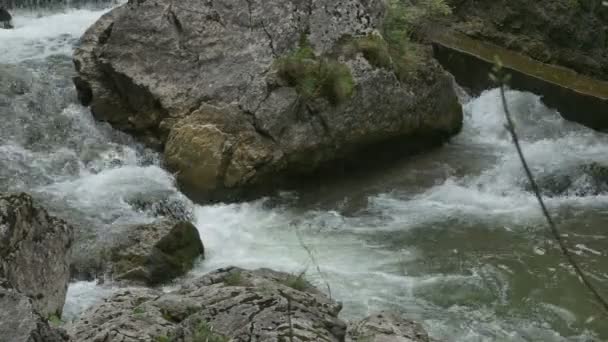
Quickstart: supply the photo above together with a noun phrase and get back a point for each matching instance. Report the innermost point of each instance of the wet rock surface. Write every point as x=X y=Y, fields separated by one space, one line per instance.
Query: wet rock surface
x=386 y=327
x=157 y=252
x=227 y=304
x=34 y=252
x=178 y=77
x=19 y=321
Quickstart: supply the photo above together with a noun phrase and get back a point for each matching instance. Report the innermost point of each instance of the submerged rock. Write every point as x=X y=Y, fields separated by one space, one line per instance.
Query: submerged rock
x=249 y=94
x=229 y=304
x=34 y=253
x=581 y=180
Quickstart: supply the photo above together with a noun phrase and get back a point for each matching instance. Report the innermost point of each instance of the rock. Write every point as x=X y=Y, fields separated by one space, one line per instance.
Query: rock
x=569 y=33
x=19 y=321
x=386 y=327
x=34 y=252
x=229 y=304
x=579 y=180
x=5 y=19
x=209 y=83
x=156 y=253
x=170 y=205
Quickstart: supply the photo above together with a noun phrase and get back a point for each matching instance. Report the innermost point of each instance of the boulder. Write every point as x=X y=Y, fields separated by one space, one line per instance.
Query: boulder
x=19 y=321
x=34 y=253
x=588 y=179
x=155 y=253
x=229 y=304
x=6 y=20
x=244 y=95
x=386 y=327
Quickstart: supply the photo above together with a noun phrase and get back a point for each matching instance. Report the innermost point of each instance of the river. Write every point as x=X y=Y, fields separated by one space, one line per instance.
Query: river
x=450 y=238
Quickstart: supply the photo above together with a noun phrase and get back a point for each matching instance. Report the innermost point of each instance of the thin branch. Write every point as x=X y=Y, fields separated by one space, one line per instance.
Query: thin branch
x=313 y=259
x=554 y=231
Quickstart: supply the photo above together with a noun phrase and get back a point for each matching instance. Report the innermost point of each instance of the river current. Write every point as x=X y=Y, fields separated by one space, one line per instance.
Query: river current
x=451 y=238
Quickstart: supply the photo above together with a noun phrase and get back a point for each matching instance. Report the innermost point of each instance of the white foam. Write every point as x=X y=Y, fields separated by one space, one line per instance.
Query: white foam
x=38 y=37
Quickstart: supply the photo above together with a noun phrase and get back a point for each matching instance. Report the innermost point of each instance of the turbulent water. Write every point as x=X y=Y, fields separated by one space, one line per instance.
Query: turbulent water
x=451 y=238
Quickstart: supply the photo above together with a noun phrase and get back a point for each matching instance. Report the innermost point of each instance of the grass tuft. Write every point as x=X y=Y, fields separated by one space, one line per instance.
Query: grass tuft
x=315 y=77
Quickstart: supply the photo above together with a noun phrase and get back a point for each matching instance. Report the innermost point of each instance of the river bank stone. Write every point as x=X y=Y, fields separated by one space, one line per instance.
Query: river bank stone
x=34 y=252
x=386 y=327
x=229 y=304
x=208 y=84
x=145 y=254
x=156 y=253
x=19 y=321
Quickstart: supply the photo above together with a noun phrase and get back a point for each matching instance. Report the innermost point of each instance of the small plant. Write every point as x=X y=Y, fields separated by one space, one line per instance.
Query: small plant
x=404 y=18
x=234 y=279
x=163 y=338
x=55 y=320
x=204 y=333
x=314 y=76
x=139 y=311
x=297 y=282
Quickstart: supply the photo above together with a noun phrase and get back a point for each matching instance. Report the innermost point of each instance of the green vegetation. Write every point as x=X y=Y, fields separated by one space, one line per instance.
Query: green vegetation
x=235 y=279
x=394 y=50
x=297 y=282
x=204 y=333
x=315 y=76
x=55 y=320
x=139 y=311
x=163 y=338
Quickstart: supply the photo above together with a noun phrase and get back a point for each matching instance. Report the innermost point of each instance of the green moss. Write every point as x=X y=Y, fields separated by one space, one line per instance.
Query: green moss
x=314 y=76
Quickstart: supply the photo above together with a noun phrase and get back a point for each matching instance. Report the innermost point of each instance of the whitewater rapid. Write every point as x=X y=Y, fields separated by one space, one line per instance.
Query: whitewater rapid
x=450 y=238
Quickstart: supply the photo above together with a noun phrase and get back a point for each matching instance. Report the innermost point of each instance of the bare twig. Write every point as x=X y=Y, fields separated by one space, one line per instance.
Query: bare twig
x=313 y=259
x=554 y=231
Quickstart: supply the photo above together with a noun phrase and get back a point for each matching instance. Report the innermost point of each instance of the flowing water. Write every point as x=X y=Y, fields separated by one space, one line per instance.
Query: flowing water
x=451 y=238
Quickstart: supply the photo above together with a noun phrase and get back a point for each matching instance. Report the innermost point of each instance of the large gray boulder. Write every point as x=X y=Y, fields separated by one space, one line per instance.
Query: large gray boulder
x=34 y=253
x=245 y=94
x=233 y=304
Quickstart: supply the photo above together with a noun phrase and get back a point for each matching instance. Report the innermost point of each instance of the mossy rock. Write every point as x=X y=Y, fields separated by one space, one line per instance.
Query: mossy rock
x=158 y=252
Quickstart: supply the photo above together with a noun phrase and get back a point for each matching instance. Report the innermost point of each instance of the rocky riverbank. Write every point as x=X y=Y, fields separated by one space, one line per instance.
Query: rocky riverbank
x=230 y=304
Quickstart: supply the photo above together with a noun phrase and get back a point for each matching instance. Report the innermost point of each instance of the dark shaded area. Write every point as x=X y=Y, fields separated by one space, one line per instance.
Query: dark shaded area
x=570 y=33
x=5 y=19
x=577 y=98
